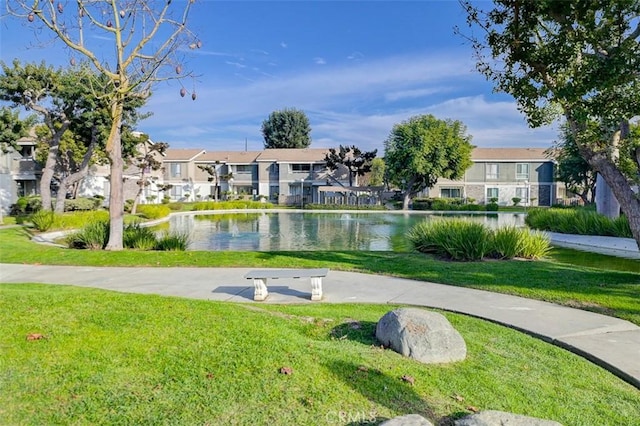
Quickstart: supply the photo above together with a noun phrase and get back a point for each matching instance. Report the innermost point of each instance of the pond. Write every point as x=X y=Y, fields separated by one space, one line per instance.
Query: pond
x=296 y=231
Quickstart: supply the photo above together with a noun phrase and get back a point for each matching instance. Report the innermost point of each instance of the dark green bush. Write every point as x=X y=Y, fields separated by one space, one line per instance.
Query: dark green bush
x=43 y=220
x=80 y=204
x=577 y=221
x=492 y=207
x=26 y=205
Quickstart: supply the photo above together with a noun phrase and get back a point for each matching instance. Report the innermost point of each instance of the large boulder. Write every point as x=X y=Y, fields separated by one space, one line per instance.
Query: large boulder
x=500 y=418
x=423 y=335
x=408 y=420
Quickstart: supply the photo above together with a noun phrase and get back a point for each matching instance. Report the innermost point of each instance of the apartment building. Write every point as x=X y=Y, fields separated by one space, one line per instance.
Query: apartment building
x=291 y=176
x=283 y=176
x=503 y=174
x=19 y=173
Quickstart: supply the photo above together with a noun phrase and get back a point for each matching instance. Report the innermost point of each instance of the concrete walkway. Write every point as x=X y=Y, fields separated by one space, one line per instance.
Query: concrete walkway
x=609 y=342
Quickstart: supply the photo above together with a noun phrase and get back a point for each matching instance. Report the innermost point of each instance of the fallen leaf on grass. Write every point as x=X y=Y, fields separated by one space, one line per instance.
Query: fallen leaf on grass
x=473 y=409
x=457 y=397
x=286 y=370
x=363 y=368
x=408 y=379
x=35 y=336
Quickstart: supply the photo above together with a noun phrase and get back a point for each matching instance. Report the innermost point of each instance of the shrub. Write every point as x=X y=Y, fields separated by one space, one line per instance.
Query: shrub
x=507 y=242
x=516 y=200
x=153 y=211
x=173 y=242
x=80 y=204
x=138 y=237
x=166 y=199
x=492 y=207
x=535 y=245
x=577 y=221
x=175 y=206
x=26 y=205
x=43 y=220
x=455 y=238
x=93 y=236
x=78 y=219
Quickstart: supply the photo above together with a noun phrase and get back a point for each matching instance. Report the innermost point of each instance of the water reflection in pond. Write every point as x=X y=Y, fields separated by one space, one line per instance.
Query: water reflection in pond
x=291 y=231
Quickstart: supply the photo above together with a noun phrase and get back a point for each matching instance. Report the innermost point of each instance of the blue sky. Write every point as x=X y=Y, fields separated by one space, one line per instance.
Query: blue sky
x=355 y=68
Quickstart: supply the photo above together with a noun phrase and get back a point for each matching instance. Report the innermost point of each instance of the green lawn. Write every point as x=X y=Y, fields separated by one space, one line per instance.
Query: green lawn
x=112 y=358
x=606 y=291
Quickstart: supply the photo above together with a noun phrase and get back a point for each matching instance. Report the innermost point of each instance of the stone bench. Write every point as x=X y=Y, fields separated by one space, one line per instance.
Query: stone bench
x=260 y=278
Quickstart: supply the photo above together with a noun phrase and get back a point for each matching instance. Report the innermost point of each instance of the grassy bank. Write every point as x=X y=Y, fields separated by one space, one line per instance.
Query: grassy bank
x=112 y=358
x=605 y=291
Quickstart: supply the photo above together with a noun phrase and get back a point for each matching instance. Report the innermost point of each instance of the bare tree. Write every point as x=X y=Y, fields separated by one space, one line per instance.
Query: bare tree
x=146 y=36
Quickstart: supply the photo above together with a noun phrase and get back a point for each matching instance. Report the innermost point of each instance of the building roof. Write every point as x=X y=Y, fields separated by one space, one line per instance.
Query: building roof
x=233 y=157
x=291 y=155
x=182 y=154
x=509 y=154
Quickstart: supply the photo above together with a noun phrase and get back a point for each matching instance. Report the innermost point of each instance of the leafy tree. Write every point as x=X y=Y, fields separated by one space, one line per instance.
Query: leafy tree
x=378 y=171
x=77 y=120
x=12 y=128
x=288 y=128
x=572 y=170
x=212 y=171
x=149 y=157
x=145 y=36
x=423 y=149
x=579 y=59
x=36 y=88
x=357 y=162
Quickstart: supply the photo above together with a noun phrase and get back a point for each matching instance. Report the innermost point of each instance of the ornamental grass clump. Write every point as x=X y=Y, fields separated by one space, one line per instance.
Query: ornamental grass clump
x=93 y=236
x=464 y=240
x=457 y=239
x=43 y=220
x=535 y=245
x=581 y=222
x=173 y=242
x=139 y=237
x=507 y=242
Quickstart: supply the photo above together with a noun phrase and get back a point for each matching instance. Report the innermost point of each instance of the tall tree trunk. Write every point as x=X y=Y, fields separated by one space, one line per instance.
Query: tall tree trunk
x=73 y=178
x=629 y=202
x=116 y=194
x=47 y=174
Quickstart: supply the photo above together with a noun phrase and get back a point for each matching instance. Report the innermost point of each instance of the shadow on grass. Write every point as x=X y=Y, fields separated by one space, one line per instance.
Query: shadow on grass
x=357 y=331
x=380 y=388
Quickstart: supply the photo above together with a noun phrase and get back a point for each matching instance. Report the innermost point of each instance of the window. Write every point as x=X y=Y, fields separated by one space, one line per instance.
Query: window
x=176 y=191
x=175 y=170
x=301 y=167
x=274 y=169
x=523 y=194
x=492 y=171
x=243 y=168
x=522 y=171
x=492 y=193
x=450 y=193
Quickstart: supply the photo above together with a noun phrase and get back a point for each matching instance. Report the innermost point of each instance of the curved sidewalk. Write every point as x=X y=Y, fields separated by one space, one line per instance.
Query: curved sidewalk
x=609 y=342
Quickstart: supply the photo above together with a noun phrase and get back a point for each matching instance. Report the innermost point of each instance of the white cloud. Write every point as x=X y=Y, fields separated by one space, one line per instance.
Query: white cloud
x=319 y=61
x=354 y=56
x=345 y=104
x=235 y=64
x=283 y=44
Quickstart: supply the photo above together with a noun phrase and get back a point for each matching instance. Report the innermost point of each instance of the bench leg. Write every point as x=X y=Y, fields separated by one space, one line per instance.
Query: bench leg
x=260 y=293
x=316 y=288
